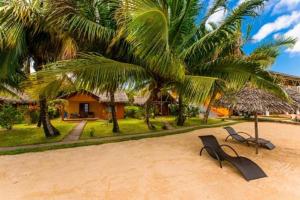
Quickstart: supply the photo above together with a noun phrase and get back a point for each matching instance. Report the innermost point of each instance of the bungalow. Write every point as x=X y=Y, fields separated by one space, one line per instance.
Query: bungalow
x=161 y=102
x=19 y=99
x=85 y=104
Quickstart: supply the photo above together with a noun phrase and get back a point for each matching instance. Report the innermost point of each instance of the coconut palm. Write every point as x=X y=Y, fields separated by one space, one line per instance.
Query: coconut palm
x=30 y=39
x=164 y=42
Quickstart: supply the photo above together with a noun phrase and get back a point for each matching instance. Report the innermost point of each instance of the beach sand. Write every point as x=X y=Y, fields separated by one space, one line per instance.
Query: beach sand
x=156 y=168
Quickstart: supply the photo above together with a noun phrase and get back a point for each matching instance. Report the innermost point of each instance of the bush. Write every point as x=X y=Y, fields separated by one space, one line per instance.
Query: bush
x=188 y=110
x=134 y=112
x=9 y=116
x=53 y=112
x=34 y=116
x=92 y=132
x=192 y=111
x=173 y=109
x=30 y=115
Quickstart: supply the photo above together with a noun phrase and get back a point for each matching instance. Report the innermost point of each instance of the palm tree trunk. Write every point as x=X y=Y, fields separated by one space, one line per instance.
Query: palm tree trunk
x=181 y=118
x=148 y=107
x=49 y=129
x=62 y=112
x=39 y=124
x=116 y=128
x=211 y=101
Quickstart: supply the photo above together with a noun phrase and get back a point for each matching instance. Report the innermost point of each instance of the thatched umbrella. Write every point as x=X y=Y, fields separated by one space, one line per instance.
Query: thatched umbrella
x=294 y=94
x=255 y=101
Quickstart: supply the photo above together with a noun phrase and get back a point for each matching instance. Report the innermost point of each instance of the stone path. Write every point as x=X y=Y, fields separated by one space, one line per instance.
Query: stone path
x=75 y=133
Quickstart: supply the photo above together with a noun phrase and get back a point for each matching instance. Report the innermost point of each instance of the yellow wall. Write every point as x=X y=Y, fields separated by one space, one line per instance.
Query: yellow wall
x=99 y=109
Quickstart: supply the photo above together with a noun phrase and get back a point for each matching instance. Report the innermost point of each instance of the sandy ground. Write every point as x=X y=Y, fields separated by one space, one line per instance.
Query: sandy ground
x=157 y=168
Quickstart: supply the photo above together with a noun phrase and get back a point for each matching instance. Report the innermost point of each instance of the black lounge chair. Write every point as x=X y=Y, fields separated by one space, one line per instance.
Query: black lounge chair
x=248 y=168
x=236 y=135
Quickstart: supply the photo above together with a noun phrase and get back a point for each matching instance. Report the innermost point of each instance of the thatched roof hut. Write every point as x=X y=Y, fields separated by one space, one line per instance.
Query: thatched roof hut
x=255 y=101
x=120 y=96
x=294 y=94
x=18 y=98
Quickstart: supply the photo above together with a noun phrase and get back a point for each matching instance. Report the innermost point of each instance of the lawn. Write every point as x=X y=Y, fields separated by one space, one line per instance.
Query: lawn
x=135 y=126
x=23 y=134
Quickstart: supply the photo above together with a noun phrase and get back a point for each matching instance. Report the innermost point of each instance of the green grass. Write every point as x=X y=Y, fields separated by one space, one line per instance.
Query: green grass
x=136 y=126
x=104 y=129
x=115 y=139
x=23 y=134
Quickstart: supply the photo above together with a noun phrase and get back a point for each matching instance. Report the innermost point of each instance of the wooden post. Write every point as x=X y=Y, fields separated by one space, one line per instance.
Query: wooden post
x=256 y=131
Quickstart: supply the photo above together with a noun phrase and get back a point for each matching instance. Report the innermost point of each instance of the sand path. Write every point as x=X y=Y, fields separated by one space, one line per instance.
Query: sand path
x=155 y=168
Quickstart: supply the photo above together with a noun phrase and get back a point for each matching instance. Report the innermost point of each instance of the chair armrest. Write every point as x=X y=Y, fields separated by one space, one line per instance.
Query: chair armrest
x=225 y=145
x=245 y=133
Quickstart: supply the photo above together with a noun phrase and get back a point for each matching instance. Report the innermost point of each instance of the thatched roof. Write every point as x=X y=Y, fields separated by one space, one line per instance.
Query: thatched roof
x=17 y=98
x=294 y=94
x=255 y=100
x=120 y=96
x=142 y=99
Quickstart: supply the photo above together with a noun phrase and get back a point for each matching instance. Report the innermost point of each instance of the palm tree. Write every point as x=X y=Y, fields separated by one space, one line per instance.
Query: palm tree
x=29 y=37
x=264 y=56
x=164 y=43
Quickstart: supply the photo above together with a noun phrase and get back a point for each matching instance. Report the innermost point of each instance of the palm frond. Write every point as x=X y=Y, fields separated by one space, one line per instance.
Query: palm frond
x=93 y=70
x=196 y=89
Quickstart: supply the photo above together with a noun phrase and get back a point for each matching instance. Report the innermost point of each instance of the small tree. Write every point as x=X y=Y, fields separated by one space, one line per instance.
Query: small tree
x=9 y=116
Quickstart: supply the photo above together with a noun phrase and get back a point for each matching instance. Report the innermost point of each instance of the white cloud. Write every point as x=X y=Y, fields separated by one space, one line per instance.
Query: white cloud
x=285 y=5
x=295 y=33
x=282 y=22
x=217 y=17
x=240 y=2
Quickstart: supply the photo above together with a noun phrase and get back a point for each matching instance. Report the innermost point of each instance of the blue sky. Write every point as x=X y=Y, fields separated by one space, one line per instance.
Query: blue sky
x=279 y=18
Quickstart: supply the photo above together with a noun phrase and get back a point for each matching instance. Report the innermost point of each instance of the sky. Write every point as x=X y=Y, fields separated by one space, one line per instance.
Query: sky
x=279 y=18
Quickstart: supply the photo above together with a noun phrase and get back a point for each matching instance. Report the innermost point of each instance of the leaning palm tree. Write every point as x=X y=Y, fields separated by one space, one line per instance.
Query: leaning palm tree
x=31 y=40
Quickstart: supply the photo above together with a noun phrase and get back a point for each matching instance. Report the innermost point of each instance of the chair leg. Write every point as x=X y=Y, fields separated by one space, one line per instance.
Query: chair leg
x=220 y=162
x=201 y=151
x=227 y=138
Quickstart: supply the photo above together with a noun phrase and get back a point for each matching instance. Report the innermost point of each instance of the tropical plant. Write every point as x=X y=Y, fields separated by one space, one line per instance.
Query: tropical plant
x=9 y=116
x=31 y=41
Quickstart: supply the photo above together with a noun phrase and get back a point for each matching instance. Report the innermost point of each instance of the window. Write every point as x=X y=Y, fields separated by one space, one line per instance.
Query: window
x=86 y=107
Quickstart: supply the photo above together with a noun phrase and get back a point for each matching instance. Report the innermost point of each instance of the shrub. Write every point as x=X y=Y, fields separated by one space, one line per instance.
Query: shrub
x=134 y=112
x=92 y=132
x=53 y=112
x=173 y=109
x=9 y=116
x=188 y=110
x=192 y=111
x=34 y=116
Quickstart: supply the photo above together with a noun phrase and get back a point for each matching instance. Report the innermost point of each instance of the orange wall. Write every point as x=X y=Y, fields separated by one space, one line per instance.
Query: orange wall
x=99 y=109
x=221 y=112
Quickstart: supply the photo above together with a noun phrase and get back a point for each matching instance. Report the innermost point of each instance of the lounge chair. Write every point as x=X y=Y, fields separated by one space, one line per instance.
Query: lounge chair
x=238 y=137
x=248 y=168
